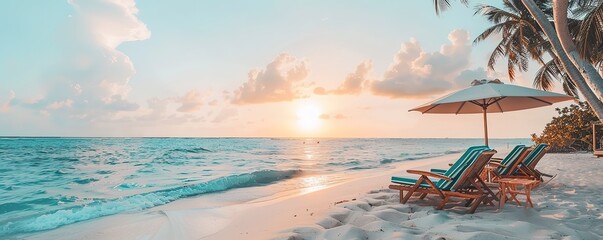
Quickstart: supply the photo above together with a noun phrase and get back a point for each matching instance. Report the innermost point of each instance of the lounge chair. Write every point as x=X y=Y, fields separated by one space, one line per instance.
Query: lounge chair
x=461 y=180
x=499 y=168
x=505 y=166
x=527 y=168
x=464 y=156
x=472 y=185
x=508 y=165
x=470 y=155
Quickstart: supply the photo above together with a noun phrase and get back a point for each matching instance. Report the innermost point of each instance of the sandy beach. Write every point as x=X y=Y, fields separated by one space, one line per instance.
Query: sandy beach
x=565 y=208
x=568 y=207
x=219 y=120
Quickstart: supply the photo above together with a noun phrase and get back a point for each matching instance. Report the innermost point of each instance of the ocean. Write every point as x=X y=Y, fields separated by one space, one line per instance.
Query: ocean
x=46 y=183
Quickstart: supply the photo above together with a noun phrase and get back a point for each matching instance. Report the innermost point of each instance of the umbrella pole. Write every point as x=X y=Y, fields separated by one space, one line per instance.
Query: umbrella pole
x=485 y=126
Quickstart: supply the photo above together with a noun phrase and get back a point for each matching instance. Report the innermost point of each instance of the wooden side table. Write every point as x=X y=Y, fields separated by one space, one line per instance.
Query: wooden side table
x=488 y=173
x=509 y=186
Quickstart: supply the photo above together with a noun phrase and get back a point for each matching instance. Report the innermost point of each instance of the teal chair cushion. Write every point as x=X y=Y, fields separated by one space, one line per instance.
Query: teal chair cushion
x=510 y=159
x=454 y=172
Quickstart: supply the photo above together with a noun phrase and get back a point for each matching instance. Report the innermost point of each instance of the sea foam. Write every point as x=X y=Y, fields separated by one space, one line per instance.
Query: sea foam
x=99 y=208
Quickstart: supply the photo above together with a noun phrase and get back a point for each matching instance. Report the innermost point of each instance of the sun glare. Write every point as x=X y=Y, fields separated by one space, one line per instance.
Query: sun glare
x=308 y=117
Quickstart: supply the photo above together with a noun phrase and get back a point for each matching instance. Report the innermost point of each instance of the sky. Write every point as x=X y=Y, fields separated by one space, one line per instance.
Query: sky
x=269 y=68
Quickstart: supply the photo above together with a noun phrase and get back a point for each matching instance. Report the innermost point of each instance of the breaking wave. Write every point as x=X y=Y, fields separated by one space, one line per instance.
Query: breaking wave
x=99 y=208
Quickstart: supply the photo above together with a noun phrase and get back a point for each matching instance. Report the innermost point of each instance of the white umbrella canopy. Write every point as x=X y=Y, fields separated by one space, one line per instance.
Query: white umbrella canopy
x=491 y=97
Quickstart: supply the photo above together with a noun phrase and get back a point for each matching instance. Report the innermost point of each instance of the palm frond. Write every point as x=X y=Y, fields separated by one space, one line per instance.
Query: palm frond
x=499 y=51
x=546 y=75
x=582 y=7
x=551 y=71
x=442 y=5
x=522 y=38
x=494 y=14
x=570 y=89
x=589 y=34
x=496 y=29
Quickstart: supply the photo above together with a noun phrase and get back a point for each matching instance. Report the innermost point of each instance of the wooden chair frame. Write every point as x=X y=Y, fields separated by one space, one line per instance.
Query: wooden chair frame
x=512 y=168
x=530 y=169
x=468 y=185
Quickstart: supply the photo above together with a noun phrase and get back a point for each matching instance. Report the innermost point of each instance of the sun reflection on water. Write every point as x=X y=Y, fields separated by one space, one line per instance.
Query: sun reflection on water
x=314 y=183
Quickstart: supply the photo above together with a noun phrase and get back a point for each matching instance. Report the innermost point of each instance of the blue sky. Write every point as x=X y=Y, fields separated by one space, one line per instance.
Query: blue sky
x=242 y=68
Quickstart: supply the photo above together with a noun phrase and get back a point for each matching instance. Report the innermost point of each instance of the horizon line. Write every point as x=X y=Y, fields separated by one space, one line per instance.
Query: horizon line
x=257 y=137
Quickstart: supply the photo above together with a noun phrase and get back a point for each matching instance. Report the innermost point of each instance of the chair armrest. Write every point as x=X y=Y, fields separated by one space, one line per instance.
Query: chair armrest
x=428 y=174
x=496 y=164
x=496 y=159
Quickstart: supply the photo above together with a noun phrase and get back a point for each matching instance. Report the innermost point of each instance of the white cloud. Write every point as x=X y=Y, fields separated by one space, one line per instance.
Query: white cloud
x=416 y=73
x=353 y=83
x=465 y=78
x=190 y=102
x=225 y=114
x=337 y=116
x=325 y=116
x=157 y=109
x=340 y=116
x=6 y=105
x=280 y=81
x=112 y=22
x=94 y=75
x=60 y=104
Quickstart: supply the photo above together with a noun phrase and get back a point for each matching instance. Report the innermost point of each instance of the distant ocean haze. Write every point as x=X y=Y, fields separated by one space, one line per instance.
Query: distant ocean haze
x=46 y=183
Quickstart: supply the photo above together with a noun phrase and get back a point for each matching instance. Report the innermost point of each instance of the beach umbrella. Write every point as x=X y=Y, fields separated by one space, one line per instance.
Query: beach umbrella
x=491 y=97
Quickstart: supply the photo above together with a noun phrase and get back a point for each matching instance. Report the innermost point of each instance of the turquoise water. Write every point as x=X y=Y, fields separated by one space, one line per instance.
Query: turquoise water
x=46 y=183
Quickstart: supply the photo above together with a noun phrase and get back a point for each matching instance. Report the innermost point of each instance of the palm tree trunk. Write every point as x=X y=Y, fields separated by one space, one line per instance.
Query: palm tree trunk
x=587 y=70
x=579 y=80
x=587 y=89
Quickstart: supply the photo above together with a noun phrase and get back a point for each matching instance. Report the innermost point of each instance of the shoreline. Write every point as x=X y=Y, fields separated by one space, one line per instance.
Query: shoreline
x=309 y=208
x=363 y=208
x=184 y=217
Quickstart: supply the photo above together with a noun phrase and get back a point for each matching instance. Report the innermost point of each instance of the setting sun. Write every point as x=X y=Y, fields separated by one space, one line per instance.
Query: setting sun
x=308 y=117
x=192 y=119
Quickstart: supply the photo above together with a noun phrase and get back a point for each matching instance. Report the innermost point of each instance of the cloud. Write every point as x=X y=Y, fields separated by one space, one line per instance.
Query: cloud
x=119 y=103
x=169 y=110
x=190 y=102
x=340 y=116
x=329 y=116
x=112 y=22
x=465 y=78
x=280 y=81
x=92 y=78
x=353 y=83
x=158 y=108
x=225 y=114
x=62 y=104
x=6 y=105
x=416 y=73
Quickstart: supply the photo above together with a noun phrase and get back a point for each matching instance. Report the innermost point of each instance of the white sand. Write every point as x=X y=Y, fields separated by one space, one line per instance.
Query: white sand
x=566 y=208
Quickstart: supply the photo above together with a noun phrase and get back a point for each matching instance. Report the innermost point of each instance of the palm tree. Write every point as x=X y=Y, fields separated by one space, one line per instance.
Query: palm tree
x=522 y=39
x=581 y=72
x=589 y=34
x=441 y=5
